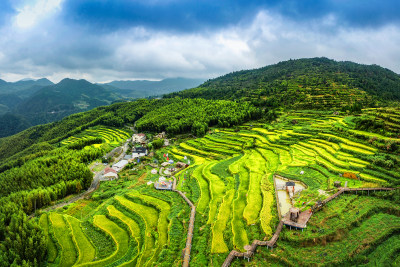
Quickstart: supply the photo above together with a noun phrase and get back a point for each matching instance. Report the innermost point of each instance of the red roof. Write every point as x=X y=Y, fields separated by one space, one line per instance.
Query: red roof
x=141 y=134
x=108 y=169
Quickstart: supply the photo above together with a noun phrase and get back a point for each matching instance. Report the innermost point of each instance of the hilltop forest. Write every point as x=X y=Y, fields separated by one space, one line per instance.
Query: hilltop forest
x=315 y=83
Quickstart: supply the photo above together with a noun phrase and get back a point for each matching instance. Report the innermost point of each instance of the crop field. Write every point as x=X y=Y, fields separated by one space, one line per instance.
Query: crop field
x=110 y=136
x=236 y=200
x=366 y=235
x=134 y=228
x=230 y=180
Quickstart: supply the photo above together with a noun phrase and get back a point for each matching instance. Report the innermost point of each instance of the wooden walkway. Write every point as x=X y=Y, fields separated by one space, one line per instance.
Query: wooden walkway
x=270 y=244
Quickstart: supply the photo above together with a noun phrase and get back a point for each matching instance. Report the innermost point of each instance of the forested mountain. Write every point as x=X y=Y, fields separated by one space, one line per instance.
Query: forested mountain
x=183 y=116
x=31 y=102
x=145 y=88
x=23 y=85
x=53 y=102
x=318 y=83
x=13 y=93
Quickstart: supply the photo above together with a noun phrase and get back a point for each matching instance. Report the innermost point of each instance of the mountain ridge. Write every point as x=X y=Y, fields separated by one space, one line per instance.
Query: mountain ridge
x=304 y=83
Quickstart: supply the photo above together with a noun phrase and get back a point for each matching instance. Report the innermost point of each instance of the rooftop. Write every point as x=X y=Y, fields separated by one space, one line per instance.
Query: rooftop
x=121 y=164
x=108 y=169
x=139 y=150
x=164 y=185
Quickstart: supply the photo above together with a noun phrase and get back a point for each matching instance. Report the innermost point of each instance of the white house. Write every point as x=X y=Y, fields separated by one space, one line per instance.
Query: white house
x=166 y=142
x=139 y=138
x=139 y=152
x=109 y=174
x=120 y=165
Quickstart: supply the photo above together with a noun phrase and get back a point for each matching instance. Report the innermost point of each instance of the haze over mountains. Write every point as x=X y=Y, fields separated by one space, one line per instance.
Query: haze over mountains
x=145 y=88
x=31 y=102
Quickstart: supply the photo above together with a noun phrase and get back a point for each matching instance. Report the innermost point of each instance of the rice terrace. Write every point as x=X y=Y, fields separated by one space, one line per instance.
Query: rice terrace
x=230 y=181
x=292 y=164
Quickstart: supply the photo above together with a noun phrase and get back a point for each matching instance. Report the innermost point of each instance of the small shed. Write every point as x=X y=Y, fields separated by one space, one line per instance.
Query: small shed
x=290 y=186
x=337 y=184
x=294 y=214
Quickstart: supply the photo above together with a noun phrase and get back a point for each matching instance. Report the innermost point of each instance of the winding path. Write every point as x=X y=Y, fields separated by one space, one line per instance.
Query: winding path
x=270 y=244
x=186 y=258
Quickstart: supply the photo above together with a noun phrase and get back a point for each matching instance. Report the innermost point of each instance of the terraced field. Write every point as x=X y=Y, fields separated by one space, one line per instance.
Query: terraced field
x=341 y=234
x=233 y=190
x=110 y=136
x=230 y=181
x=139 y=229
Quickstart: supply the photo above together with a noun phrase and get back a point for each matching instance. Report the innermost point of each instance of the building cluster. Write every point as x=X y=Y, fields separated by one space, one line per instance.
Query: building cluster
x=139 y=142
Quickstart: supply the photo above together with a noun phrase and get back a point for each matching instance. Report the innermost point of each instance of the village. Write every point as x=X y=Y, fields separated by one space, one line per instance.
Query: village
x=135 y=152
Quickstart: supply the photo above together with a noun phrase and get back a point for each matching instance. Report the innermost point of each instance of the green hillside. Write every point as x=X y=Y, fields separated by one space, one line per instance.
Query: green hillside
x=67 y=97
x=316 y=83
x=234 y=150
x=53 y=102
x=230 y=181
x=22 y=87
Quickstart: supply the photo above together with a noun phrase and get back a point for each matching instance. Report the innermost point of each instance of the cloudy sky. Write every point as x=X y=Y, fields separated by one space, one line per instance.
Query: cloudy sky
x=107 y=40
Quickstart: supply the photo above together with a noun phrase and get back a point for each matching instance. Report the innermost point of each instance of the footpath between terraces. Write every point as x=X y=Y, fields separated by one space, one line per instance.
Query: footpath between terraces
x=189 y=238
x=270 y=243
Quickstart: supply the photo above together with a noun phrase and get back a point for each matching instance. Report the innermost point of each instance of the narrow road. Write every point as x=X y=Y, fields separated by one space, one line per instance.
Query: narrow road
x=92 y=187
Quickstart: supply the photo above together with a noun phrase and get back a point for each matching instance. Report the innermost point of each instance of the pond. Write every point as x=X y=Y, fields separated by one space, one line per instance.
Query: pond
x=283 y=198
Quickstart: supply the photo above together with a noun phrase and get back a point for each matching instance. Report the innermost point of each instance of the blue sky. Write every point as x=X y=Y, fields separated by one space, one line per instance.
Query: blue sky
x=107 y=40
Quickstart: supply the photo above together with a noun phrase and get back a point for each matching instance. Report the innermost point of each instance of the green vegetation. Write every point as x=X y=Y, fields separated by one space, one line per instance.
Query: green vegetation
x=86 y=251
x=315 y=83
x=234 y=149
x=69 y=254
x=199 y=114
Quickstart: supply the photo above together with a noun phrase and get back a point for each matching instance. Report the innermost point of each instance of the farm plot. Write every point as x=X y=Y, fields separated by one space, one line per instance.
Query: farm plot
x=230 y=181
x=51 y=246
x=85 y=249
x=150 y=216
x=118 y=235
x=62 y=233
x=366 y=222
x=110 y=136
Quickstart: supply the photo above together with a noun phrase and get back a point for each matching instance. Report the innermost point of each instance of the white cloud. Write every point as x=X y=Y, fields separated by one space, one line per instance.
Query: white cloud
x=56 y=50
x=32 y=12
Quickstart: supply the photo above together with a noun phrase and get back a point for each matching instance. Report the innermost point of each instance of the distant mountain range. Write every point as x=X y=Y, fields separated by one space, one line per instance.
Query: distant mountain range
x=31 y=102
x=13 y=93
x=145 y=88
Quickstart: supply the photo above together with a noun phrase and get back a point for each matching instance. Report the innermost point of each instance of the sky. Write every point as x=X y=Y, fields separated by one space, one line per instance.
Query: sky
x=104 y=40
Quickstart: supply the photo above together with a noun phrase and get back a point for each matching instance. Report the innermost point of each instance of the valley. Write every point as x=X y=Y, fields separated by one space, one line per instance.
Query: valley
x=230 y=182
x=190 y=181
